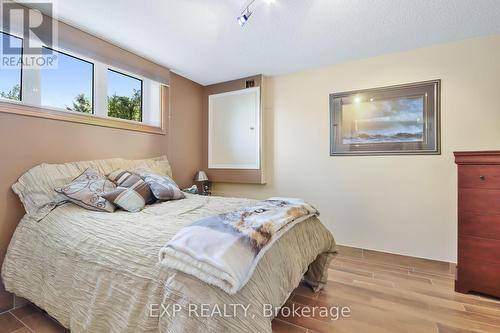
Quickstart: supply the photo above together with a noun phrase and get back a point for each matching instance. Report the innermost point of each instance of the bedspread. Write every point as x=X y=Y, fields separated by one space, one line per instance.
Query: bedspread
x=99 y=272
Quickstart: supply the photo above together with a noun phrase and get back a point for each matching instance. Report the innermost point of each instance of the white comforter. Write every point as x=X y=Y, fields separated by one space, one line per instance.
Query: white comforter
x=99 y=272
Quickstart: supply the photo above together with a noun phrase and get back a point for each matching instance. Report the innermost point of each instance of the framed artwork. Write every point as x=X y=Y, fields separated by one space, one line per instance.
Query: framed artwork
x=397 y=120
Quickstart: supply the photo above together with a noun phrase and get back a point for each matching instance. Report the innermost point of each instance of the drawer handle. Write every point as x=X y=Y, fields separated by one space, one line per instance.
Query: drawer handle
x=482 y=177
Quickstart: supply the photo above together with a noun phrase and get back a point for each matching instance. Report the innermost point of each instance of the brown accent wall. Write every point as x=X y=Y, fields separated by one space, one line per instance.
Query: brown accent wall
x=185 y=129
x=232 y=175
x=75 y=41
x=28 y=141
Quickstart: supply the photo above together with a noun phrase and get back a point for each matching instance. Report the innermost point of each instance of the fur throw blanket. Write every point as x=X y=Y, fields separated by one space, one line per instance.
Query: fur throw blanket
x=224 y=250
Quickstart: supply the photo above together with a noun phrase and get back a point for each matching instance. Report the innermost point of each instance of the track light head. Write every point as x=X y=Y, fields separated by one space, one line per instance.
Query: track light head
x=245 y=15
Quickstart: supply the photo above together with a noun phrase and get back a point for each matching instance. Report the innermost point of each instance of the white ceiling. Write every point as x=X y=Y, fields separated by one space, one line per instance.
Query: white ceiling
x=200 y=39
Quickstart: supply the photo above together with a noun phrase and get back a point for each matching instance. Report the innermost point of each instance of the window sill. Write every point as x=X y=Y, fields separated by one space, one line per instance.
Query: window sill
x=81 y=118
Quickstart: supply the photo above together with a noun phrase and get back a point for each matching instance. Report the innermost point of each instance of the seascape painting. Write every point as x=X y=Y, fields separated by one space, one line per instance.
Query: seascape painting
x=394 y=120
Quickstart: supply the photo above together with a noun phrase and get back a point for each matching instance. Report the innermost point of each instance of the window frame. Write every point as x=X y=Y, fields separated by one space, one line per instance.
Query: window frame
x=20 y=107
x=93 y=81
x=141 y=117
x=21 y=75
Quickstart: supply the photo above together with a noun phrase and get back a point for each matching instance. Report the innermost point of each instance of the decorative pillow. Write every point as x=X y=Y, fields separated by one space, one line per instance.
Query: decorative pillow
x=35 y=187
x=132 y=193
x=163 y=187
x=87 y=189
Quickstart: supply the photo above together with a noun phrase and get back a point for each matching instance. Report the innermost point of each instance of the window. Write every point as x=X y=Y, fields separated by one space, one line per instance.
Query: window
x=69 y=85
x=11 y=67
x=56 y=81
x=124 y=96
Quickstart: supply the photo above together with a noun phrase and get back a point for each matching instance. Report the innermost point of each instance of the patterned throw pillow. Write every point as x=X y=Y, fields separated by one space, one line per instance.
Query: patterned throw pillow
x=132 y=193
x=87 y=191
x=163 y=187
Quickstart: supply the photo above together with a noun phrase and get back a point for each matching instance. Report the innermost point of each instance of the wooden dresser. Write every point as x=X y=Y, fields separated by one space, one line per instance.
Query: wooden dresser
x=478 y=266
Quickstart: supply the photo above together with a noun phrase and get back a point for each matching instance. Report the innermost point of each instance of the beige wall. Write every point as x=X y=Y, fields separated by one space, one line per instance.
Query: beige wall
x=28 y=141
x=400 y=204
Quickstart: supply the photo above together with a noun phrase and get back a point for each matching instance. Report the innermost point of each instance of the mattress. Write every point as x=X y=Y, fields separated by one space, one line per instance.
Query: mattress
x=99 y=272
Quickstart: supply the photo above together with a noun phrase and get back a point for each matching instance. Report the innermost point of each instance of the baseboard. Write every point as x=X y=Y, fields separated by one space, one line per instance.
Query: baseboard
x=412 y=263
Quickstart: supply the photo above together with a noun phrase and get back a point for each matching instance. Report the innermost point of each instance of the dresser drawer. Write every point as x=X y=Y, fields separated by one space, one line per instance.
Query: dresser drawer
x=480 y=276
x=481 y=249
x=479 y=225
x=479 y=176
x=479 y=200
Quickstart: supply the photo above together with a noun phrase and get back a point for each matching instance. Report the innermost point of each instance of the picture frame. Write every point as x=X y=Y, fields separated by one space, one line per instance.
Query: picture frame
x=395 y=120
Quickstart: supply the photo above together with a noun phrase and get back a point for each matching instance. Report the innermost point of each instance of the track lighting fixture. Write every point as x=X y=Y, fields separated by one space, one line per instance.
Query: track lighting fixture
x=245 y=14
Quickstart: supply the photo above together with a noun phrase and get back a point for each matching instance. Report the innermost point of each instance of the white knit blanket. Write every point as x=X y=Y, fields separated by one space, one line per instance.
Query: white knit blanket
x=224 y=250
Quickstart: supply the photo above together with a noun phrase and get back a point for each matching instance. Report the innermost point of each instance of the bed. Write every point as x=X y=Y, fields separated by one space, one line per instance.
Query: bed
x=99 y=272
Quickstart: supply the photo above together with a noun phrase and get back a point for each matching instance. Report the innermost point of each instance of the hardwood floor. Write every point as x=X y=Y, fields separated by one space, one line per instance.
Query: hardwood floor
x=29 y=319
x=391 y=293
x=384 y=292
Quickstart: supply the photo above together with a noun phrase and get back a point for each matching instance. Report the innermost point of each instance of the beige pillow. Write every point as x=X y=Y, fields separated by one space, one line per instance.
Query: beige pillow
x=87 y=189
x=35 y=188
x=132 y=193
